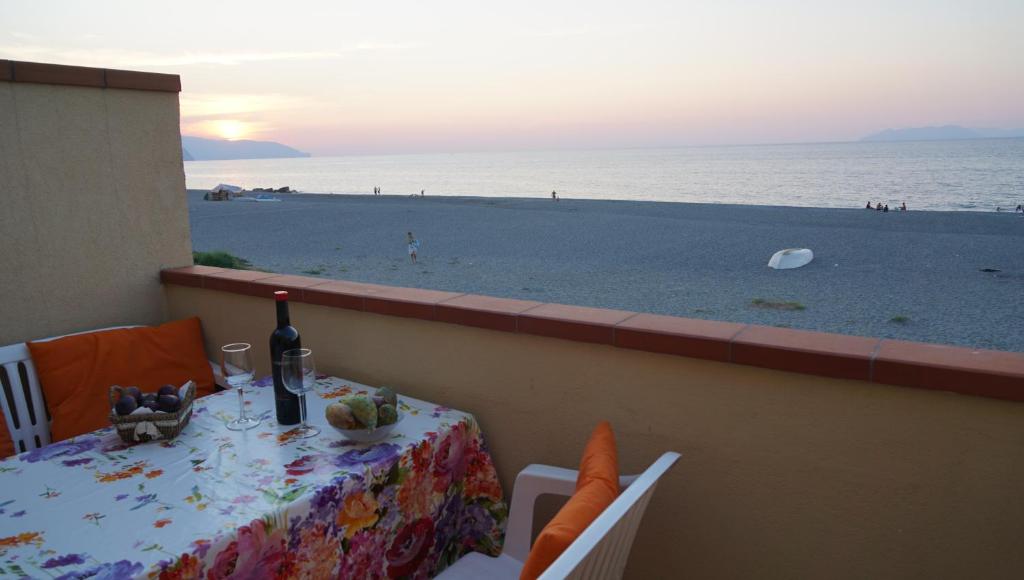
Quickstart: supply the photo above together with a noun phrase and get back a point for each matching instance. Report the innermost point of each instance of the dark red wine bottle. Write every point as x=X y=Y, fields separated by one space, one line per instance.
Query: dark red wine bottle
x=284 y=338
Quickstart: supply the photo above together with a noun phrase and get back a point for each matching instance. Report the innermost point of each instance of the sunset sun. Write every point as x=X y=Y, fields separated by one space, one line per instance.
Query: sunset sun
x=230 y=130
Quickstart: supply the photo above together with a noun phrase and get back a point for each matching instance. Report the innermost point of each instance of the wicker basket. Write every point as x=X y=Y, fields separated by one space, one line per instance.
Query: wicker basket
x=153 y=426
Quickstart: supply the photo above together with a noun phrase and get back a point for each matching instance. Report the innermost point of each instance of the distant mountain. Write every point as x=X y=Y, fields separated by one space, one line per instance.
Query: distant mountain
x=200 y=149
x=941 y=133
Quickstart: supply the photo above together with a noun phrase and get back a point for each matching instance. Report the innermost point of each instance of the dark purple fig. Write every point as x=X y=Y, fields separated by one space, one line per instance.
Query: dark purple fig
x=169 y=403
x=134 y=392
x=167 y=390
x=378 y=401
x=150 y=403
x=125 y=405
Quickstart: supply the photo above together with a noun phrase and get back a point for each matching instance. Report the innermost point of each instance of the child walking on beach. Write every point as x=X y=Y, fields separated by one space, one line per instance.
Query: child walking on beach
x=414 y=245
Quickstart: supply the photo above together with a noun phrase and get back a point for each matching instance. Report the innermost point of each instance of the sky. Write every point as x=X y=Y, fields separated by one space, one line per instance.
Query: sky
x=397 y=76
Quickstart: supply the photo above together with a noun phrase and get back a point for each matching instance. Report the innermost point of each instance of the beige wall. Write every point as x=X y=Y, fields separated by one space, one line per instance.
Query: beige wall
x=92 y=206
x=782 y=476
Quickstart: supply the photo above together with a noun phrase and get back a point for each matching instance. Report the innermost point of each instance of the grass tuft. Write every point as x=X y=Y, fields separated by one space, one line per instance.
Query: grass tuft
x=220 y=260
x=899 y=319
x=314 y=271
x=775 y=305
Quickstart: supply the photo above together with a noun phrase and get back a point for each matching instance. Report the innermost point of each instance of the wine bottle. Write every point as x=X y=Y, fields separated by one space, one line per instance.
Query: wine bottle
x=284 y=338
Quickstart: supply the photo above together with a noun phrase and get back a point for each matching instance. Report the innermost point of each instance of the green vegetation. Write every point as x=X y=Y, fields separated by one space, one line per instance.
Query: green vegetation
x=220 y=260
x=899 y=319
x=775 y=305
x=314 y=271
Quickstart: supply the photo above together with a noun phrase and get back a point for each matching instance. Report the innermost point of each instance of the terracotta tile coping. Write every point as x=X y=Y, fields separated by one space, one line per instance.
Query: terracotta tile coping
x=81 y=76
x=984 y=373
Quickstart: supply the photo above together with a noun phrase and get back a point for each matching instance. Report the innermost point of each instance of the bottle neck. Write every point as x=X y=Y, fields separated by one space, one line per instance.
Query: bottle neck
x=282 y=314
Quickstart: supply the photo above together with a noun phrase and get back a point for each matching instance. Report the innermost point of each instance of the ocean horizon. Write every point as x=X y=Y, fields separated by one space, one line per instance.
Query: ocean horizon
x=956 y=175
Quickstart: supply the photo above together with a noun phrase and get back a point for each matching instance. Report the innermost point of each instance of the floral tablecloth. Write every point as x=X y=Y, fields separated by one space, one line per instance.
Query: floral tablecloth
x=216 y=503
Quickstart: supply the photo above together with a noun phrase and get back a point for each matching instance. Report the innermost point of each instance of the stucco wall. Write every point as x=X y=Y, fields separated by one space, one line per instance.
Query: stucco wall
x=783 y=475
x=92 y=206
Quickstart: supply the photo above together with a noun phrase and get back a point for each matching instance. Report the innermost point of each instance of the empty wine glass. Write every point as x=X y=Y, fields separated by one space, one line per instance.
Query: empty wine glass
x=237 y=370
x=298 y=373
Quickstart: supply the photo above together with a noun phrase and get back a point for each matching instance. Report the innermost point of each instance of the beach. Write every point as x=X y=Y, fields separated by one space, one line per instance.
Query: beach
x=916 y=275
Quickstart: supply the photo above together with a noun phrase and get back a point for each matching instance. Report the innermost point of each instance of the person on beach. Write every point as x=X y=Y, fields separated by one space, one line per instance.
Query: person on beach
x=878 y=206
x=869 y=206
x=903 y=207
x=886 y=209
x=554 y=196
x=1020 y=208
x=414 y=245
x=421 y=192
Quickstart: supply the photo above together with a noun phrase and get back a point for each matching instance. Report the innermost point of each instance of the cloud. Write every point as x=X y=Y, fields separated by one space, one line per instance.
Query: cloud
x=225 y=128
x=209 y=105
x=382 y=46
x=104 y=57
x=560 y=32
x=205 y=114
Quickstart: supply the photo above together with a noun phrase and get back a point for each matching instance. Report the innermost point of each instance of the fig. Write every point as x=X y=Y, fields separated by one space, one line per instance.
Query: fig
x=340 y=415
x=386 y=415
x=168 y=403
x=167 y=390
x=125 y=405
x=149 y=401
x=363 y=410
x=389 y=396
x=378 y=401
x=134 y=392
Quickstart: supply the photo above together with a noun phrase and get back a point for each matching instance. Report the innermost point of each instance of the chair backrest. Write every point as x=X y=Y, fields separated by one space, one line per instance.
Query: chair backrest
x=602 y=550
x=24 y=408
x=21 y=396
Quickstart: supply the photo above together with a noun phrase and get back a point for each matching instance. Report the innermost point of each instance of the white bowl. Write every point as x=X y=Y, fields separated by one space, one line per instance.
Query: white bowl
x=370 y=435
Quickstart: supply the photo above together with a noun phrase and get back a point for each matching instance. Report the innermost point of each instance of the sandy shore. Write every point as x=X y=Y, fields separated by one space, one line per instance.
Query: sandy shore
x=913 y=276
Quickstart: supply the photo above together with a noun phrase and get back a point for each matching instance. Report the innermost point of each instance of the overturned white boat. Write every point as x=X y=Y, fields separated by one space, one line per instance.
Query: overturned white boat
x=260 y=197
x=791 y=258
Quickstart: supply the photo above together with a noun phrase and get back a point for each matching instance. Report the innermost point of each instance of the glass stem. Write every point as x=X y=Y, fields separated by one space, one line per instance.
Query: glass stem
x=302 y=411
x=241 y=404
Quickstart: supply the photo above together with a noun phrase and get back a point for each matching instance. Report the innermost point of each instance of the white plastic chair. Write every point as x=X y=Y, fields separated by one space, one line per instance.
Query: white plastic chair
x=24 y=408
x=21 y=397
x=602 y=549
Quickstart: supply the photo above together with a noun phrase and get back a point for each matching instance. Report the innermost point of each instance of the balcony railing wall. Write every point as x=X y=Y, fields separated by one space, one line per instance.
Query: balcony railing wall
x=783 y=475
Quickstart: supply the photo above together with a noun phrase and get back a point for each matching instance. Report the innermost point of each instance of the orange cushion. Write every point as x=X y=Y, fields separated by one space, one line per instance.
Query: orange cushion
x=76 y=372
x=6 y=443
x=597 y=486
x=600 y=459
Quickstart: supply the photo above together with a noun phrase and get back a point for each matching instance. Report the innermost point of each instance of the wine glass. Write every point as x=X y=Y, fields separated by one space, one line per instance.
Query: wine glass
x=237 y=370
x=298 y=373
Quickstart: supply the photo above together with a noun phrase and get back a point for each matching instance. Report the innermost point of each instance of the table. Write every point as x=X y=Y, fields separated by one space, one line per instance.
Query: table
x=255 y=504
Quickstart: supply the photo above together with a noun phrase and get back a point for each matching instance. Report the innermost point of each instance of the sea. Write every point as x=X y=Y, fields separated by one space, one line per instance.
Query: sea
x=963 y=175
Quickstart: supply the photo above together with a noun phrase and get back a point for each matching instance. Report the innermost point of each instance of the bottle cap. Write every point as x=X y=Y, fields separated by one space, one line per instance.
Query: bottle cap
x=281 y=295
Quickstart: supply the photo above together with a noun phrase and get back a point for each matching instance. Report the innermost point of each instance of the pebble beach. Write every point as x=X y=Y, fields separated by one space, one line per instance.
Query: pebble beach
x=931 y=276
